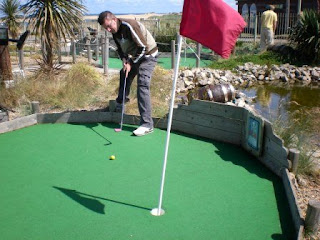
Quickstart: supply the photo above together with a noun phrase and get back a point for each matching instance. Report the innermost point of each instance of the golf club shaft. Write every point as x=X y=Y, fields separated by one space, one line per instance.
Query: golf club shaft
x=123 y=99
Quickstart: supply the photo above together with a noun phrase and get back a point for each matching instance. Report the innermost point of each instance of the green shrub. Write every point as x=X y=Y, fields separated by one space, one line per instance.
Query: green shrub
x=164 y=42
x=305 y=37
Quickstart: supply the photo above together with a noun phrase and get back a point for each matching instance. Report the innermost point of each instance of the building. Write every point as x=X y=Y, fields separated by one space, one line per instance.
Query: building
x=287 y=11
x=247 y=6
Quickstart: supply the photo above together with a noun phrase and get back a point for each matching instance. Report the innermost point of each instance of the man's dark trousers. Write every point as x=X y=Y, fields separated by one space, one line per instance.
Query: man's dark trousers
x=143 y=70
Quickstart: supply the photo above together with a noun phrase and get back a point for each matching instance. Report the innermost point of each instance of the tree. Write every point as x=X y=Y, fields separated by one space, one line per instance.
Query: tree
x=52 y=20
x=10 y=12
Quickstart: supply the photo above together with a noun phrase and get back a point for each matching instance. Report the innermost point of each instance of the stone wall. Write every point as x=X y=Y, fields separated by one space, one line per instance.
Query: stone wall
x=248 y=75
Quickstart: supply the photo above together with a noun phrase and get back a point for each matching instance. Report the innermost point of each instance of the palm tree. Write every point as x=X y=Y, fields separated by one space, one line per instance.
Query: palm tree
x=53 y=20
x=10 y=12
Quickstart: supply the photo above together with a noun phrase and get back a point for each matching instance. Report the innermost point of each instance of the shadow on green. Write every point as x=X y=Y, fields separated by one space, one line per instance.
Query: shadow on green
x=90 y=201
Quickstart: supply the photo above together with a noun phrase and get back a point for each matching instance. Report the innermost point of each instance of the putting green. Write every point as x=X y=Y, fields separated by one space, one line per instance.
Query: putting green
x=57 y=182
x=164 y=62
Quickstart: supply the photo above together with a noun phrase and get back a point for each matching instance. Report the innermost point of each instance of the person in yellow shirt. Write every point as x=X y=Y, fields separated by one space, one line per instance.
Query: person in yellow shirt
x=268 y=27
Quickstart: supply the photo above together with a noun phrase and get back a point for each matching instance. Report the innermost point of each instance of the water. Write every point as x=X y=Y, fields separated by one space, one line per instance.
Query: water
x=275 y=102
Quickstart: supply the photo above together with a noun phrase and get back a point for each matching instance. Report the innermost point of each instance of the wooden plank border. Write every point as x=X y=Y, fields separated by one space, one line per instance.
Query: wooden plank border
x=18 y=123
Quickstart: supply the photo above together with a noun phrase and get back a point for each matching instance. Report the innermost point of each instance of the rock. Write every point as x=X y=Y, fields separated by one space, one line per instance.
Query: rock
x=316 y=154
x=292 y=76
x=305 y=73
x=284 y=78
x=315 y=75
x=275 y=68
x=240 y=68
x=216 y=75
x=188 y=83
x=209 y=75
x=301 y=181
x=224 y=79
x=187 y=73
x=306 y=79
x=241 y=103
x=278 y=75
x=197 y=71
x=203 y=75
x=180 y=84
x=297 y=73
x=261 y=78
x=210 y=80
x=203 y=82
x=286 y=71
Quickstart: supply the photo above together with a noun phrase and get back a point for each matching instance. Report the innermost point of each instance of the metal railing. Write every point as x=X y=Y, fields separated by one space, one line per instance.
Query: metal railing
x=252 y=31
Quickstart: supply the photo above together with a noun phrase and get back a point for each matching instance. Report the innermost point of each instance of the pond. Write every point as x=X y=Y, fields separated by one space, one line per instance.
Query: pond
x=292 y=105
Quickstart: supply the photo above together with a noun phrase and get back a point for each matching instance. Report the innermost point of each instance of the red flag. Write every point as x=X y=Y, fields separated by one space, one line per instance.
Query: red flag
x=213 y=23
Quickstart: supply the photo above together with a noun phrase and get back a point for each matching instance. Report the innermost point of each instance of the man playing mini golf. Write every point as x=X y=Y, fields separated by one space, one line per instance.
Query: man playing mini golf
x=138 y=51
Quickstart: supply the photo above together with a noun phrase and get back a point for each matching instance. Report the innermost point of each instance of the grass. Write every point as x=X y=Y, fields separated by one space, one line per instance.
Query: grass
x=64 y=91
x=81 y=87
x=266 y=58
x=296 y=132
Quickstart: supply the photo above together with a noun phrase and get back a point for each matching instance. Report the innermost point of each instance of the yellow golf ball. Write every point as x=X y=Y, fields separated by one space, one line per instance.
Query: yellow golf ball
x=112 y=157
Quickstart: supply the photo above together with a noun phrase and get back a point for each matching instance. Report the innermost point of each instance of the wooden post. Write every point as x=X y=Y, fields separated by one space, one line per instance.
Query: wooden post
x=294 y=157
x=89 y=52
x=173 y=51
x=73 y=49
x=97 y=48
x=255 y=28
x=35 y=107
x=287 y=14
x=106 y=57
x=312 y=221
x=199 y=54
x=299 y=8
x=21 y=59
x=59 y=52
x=103 y=49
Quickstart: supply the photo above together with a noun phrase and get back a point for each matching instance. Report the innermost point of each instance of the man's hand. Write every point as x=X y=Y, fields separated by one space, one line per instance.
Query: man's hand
x=126 y=66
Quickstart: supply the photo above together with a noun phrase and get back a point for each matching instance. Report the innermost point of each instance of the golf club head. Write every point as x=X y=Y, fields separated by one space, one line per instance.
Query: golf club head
x=117 y=129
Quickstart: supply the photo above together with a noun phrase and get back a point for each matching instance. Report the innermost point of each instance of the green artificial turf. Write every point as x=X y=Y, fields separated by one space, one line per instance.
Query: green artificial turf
x=164 y=62
x=57 y=182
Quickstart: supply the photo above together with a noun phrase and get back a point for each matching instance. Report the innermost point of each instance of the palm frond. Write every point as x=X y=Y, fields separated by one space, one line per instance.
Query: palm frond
x=52 y=20
x=305 y=36
x=10 y=11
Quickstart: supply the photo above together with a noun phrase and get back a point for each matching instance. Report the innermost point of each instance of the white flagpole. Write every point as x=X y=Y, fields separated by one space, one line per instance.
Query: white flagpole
x=159 y=211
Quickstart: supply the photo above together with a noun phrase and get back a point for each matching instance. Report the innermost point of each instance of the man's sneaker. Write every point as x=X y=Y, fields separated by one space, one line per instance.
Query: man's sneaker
x=141 y=131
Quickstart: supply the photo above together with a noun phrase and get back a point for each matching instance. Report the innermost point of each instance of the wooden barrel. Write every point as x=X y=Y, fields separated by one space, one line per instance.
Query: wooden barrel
x=217 y=93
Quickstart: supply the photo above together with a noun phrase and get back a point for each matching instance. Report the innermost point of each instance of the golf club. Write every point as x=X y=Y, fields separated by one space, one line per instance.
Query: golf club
x=123 y=103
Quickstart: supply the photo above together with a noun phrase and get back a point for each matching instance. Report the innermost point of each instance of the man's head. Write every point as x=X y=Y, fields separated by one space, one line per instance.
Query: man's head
x=108 y=21
x=270 y=7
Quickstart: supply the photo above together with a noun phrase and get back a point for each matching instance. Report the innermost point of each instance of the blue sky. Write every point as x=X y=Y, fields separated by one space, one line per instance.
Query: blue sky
x=139 y=6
